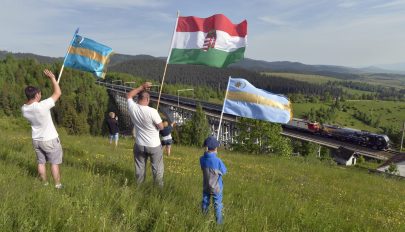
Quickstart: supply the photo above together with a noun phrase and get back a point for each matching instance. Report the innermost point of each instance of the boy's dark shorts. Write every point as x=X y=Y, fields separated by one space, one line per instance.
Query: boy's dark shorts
x=167 y=142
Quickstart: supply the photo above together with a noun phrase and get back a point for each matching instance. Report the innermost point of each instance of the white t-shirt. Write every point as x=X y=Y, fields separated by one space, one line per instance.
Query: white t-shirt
x=39 y=115
x=145 y=119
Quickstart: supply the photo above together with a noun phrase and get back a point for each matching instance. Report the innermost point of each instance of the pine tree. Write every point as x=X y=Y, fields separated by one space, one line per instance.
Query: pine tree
x=200 y=127
x=261 y=137
x=196 y=130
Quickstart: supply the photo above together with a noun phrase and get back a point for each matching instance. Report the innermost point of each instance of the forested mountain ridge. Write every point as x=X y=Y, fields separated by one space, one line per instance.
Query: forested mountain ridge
x=39 y=58
x=340 y=72
x=149 y=67
x=216 y=78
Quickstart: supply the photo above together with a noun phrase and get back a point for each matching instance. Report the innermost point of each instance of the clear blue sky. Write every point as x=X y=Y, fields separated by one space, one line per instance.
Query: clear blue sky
x=337 y=32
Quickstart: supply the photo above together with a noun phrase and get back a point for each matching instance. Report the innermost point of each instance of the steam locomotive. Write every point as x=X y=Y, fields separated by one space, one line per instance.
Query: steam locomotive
x=359 y=137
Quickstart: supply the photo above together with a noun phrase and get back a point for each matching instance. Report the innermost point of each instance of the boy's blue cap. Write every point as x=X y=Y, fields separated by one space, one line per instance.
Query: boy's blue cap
x=211 y=143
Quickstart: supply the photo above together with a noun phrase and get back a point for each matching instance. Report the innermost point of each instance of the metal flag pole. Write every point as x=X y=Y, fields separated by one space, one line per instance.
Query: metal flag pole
x=167 y=60
x=223 y=107
x=67 y=52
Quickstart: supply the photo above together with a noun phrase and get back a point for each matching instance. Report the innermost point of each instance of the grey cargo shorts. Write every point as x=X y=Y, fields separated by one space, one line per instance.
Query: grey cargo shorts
x=48 y=151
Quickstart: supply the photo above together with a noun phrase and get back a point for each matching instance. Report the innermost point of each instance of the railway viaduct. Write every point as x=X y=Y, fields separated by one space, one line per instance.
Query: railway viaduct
x=180 y=109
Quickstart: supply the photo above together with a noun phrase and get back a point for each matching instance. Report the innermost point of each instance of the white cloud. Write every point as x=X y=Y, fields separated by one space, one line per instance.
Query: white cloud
x=110 y=3
x=390 y=4
x=273 y=21
x=347 y=4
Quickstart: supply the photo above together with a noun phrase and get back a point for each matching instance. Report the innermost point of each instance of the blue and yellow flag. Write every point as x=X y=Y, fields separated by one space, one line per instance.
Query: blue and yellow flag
x=245 y=100
x=88 y=55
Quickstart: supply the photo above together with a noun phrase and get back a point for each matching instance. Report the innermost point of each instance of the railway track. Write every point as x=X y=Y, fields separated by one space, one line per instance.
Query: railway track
x=394 y=152
x=214 y=110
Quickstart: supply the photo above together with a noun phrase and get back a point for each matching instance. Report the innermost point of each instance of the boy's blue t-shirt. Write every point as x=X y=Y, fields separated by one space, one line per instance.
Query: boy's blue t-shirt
x=166 y=131
x=213 y=169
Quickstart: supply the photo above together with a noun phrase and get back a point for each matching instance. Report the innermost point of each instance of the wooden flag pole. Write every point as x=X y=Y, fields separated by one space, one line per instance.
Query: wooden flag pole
x=223 y=107
x=67 y=52
x=167 y=60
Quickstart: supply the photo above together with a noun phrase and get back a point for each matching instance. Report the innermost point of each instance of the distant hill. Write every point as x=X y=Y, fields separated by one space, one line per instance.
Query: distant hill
x=39 y=58
x=296 y=67
x=380 y=70
x=283 y=66
x=216 y=78
x=341 y=72
x=116 y=58
x=395 y=67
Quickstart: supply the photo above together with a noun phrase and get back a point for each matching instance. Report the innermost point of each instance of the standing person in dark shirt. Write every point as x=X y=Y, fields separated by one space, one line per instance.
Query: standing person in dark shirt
x=112 y=123
x=167 y=139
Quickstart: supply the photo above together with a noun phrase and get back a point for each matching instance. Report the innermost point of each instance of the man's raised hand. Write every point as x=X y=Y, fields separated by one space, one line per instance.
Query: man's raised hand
x=146 y=85
x=49 y=74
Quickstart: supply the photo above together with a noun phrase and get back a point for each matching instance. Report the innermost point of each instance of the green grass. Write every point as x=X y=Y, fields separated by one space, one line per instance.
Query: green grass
x=299 y=109
x=397 y=82
x=355 y=91
x=314 y=79
x=262 y=193
x=391 y=113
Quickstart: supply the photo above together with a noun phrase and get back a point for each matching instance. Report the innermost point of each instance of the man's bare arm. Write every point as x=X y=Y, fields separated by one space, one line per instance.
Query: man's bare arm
x=135 y=91
x=160 y=126
x=55 y=86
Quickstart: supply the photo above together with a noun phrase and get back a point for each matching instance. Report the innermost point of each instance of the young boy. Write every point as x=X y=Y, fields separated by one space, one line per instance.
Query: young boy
x=213 y=169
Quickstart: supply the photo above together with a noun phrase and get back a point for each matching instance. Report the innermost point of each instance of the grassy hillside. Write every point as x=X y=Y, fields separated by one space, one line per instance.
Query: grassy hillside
x=311 y=78
x=262 y=193
x=389 y=80
x=389 y=112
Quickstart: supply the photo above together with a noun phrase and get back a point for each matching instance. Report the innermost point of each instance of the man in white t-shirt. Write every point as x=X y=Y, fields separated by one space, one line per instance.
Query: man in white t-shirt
x=147 y=123
x=45 y=138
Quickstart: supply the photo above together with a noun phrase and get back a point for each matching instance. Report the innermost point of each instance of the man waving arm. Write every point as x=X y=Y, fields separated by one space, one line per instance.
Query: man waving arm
x=55 y=86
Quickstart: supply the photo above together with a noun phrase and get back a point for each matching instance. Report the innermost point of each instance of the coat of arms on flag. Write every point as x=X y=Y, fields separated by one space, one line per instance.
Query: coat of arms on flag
x=214 y=41
x=209 y=41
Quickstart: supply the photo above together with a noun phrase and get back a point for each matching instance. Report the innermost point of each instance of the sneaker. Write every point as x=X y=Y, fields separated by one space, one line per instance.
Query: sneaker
x=59 y=186
x=46 y=183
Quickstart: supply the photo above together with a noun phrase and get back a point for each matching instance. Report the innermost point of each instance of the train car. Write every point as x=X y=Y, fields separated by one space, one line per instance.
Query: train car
x=359 y=137
x=354 y=136
x=303 y=125
x=376 y=141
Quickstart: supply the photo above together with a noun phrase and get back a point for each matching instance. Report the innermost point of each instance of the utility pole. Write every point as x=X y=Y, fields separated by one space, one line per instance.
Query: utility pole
x=402 y=138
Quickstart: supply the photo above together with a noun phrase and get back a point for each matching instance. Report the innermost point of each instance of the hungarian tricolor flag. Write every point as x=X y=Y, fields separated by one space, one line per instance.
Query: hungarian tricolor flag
x=214 y=41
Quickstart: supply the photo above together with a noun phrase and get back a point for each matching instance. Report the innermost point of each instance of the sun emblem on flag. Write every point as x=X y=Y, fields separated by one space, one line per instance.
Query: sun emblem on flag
x=209 y=41
x=79 y=39
x=240 y=85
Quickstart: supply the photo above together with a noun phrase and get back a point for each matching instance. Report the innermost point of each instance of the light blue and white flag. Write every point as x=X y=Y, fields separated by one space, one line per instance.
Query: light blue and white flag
x=88 y=55
x=245 y=100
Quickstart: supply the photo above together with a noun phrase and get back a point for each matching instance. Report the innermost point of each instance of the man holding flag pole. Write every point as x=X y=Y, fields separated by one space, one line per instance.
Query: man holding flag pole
x=147 y=124
x=83 y=54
